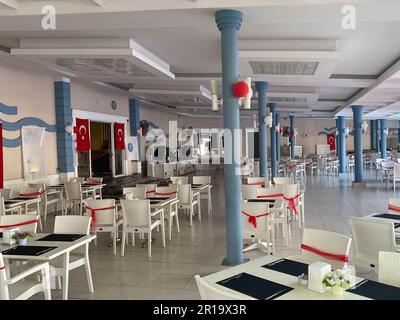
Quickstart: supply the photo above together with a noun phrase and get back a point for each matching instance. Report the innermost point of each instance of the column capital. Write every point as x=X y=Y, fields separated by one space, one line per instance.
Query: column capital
x=357 y=108
x=272 y=106
x=383 y=123
x=228 y=19
x=261 y=86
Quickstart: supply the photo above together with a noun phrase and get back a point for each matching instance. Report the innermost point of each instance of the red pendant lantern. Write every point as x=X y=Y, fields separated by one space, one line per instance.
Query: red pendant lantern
x=240 y=89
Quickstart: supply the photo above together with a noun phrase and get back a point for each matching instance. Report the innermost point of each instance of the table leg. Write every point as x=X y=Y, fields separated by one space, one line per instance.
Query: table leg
x=65 y=275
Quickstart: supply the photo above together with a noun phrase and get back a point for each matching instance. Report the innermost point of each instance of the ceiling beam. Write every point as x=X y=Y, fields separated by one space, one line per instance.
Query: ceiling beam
x=13 y=4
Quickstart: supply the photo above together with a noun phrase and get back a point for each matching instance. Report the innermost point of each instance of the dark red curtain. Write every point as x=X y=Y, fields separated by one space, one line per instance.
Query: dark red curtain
x=82 y=135
x=119 y=136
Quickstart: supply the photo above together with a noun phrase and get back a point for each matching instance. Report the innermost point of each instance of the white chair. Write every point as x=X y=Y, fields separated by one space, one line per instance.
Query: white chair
x=98 y=193
x=78 y=257
x=166 y=192
x=77 y=179
x=210 y=292
x=350 y=163
x=5 y=194
x=249 y=191
x=188 y=200
x=25 y=222
x=394 y=206
x=370 y=237
x=49 y=197
x=258 y=225
x=179 y=180
x=326 y=246
x=389 y=268
x=282 y=180
x=135 y=193
x=258 y=181
x=35 y=208
x=104 y=218
x=20 y=287
x=138 y=218
x=206 y=193
x=172 y=211
x=294 y=202
x=395 y=177
x=74 y=197
x=151 y=189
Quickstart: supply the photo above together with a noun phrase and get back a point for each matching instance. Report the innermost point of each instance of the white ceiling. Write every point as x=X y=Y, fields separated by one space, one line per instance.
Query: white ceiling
x=181 y=37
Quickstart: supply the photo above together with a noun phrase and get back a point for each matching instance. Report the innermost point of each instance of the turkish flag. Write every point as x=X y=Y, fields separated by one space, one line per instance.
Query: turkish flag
x=1 y=156
x=82 y=135
x=331 y=140
x=119 y=136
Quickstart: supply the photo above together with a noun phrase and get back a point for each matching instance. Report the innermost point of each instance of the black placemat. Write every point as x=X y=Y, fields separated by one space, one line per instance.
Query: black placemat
x=27 y=250
x=23 y=198
x=375 y=290
x=388 y=216
x=155 y=201
x=294 y=268
x=196 y=185
x=396 y=225
x=261 y=200
x=61 y=237
x=157 y=198
x=255 y=287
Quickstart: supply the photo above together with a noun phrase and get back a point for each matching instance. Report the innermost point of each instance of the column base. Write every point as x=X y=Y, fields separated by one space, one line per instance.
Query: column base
x=355 y=184
x=226 y=263
x=65 y=176
x=343 y=176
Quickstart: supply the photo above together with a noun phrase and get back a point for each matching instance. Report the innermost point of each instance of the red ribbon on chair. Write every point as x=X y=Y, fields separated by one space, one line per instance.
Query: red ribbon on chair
x=338 y=257
x=165 y=193
x=394 y=208
x=2 y=267
x=277 y=195
x=93 y=213
x=33 y=194
x=253 y=219
x=19 y=224
x=93 y=181
x=292 y=204
x=150 y=191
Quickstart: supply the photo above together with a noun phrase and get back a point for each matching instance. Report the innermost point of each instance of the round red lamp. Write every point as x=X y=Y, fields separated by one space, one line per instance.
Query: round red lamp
x=240 y=89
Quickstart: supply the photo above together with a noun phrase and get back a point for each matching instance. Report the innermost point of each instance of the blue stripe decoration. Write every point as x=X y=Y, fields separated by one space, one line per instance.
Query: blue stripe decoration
x=330 y=129
x=8 y=110
x=12 y=143
x=28 y=121
x=322 y=132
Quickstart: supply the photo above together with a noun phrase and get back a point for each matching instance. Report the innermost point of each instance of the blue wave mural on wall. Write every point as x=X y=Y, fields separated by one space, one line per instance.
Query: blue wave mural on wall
x=16 y=126
x=327 y=131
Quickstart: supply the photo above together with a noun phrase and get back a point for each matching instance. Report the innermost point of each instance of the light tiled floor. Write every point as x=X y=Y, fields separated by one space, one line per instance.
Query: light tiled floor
x=200 y=249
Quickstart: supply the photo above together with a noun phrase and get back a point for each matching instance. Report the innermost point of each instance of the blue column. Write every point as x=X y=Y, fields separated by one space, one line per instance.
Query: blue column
x=262 y=87
x=278 y=139
x=134 y=121
x=229 y=23
x=341 y=121
x=292 y=139
x=383 y=139
x=337 y=138
x=373 y=134
x=62 y=93
x=378 y=134
x=272 y=108
x=358 y=143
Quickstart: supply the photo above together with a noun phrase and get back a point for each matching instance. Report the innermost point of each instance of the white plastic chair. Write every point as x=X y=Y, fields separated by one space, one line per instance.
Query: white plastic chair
x=258 y=225
x=34 y=209
x=5 y=194
x=294 y=202
x=179 y=180
x=282 y=180
x=151 y=189
x=210 y=292
x=134 y=193
x=25 y=222
x=166 y=192
x=104 y=218
x=97 y=193
x=325 y=242
x=389 y=268
x=20 y=287
x=257 y=181
x=78 y=257
x=188 y=200
x=249 y=191
x=75 y=197
x=394 y=206
x=138 y=218
x=370 y=237
x=49 y=197
x=172 y=211
x=206 y=193
x=395 y=177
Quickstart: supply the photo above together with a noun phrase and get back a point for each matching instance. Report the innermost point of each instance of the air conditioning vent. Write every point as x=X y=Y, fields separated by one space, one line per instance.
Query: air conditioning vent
x=286 y=68
x=287 y=99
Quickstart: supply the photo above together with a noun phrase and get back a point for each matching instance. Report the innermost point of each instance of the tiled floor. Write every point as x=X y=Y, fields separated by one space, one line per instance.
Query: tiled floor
x=200 y=249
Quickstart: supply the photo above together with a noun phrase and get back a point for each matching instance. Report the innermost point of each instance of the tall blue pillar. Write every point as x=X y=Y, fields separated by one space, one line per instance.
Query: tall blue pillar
x=292 y=139
x=229 y=23
x=337 y=138
x=341 y=122
x=62 y=93
x=134 y=121
x=278 y=139
x=373 y=134
x=378 y=135
x=384 y=127
x=358 y=143
x=262 y=87
x=272 y=108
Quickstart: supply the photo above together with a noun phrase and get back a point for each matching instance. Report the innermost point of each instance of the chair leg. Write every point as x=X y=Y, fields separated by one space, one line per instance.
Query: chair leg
x=46 y=283
x=88 y=270
x=114 y=236
x=133 y=239
x=123 y=240
x=149 y=244
x=163 y=232
x=191 y=215
x=177 y=220
x=170 y=227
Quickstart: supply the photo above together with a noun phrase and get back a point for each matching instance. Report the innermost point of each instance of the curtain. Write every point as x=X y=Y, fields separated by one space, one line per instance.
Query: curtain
x=33 y=152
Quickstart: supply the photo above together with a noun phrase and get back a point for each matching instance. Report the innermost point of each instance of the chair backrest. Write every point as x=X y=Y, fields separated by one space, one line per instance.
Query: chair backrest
x=2 y=206
x=72 y=225
x=93 y=180
x=387 y=164
x=4 y=294
x=136 y=212
x=185 y=194
x=73 y=190
x=103 y=217
x=151 y=188
x=260 y=181
x=169 y=192
x=179 y=180
x=31 y=192
x=210 y=292
x=249 y=191
x=370 y=237
x=135 y=192
x=291 y=190
x=5 y=193
x=201 y=179
x=283 y=180
x=394 y=206
x=389 y=268
x=77 y=179
x=328 y=242
x=276 y=192
x=30 y=220
x=396 y=170
x=260 y=210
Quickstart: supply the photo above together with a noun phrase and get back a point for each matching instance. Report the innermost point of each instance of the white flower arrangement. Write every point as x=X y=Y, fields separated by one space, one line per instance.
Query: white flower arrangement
x=337 y=278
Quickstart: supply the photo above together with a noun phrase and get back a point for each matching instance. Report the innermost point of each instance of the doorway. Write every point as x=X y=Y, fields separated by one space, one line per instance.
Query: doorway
x=101 y=149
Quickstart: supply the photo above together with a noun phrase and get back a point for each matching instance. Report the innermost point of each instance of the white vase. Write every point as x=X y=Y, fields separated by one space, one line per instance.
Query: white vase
x=23 y=242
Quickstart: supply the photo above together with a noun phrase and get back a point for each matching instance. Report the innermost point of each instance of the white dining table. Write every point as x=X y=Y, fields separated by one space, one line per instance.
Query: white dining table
x=63 y=249
x=299 y=292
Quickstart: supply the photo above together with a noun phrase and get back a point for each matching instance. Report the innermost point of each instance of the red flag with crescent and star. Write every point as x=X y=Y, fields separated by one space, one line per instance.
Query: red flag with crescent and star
x=119 y=136
x=331 y=140
x=82 y=135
